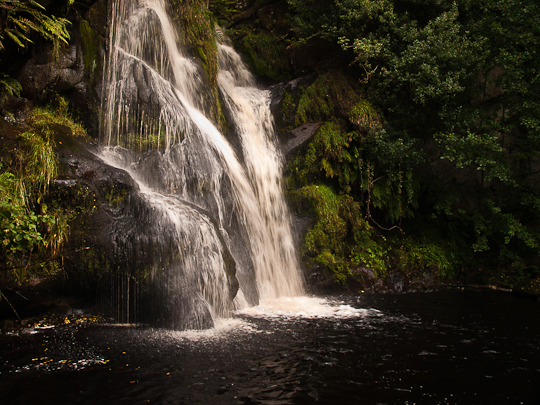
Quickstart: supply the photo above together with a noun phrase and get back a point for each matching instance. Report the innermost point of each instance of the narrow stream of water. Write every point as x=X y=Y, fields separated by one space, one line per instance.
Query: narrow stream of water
x=435 y=348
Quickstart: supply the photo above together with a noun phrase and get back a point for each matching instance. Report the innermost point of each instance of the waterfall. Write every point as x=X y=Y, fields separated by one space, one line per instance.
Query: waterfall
x=216 y=203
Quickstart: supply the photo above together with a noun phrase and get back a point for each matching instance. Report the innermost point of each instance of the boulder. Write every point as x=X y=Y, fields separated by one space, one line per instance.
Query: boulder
x=294 y=140
x=121 y=243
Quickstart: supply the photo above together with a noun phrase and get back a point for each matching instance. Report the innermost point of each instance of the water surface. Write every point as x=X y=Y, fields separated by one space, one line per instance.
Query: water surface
x=435 y=348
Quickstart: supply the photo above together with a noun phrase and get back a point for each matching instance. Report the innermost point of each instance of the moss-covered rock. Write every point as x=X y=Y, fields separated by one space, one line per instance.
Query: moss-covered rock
x=93 y=45
x=264 y=53
x=198 y=33
x=330 y=96
x=340 y=241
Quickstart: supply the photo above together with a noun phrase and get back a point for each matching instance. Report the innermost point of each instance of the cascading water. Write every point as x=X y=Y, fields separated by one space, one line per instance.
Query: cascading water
x=213 y=221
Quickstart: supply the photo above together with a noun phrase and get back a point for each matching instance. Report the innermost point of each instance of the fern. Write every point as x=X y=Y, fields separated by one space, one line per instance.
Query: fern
x=21 y=18
x=9 y=85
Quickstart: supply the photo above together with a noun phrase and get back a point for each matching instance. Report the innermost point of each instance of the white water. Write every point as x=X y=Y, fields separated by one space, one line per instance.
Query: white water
x=154 y=98
x=305 y=307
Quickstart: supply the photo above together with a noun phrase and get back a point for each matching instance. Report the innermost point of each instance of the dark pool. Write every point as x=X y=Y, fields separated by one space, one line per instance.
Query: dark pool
x=434 y=348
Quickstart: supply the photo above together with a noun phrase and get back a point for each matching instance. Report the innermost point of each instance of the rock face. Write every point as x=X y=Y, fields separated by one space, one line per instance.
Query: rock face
x=74 y=72
x=126 y=251
x=293 y=140
x=290 y=140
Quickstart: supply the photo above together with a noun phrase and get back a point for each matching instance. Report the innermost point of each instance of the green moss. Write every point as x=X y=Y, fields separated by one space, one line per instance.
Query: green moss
x=330 y=96
x=340 y=239
x=326 y=157
x=92 y=45
x=55 y=118
x=143 y=143
x=329 y=229
x=265 y=55
x=198 y=31
x=288 y=108
x=364 y=116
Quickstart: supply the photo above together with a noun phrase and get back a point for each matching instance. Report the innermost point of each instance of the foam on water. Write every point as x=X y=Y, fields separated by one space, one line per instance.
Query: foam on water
x=305 y=307
x=223 y=328
x=283 y=308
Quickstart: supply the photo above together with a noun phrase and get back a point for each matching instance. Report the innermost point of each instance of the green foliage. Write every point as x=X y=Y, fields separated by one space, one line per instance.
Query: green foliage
x=37 y=166
x=48 y=120
x=33 y=224
x=9 y=86
x=501 y=228
x=18 y=19
x=25 y=234
x=264 y=54
x=223 y=9
x=326 y=157
x=451 y=131
x=483 y=152
x=371 y=255
x=340 y=239
x=18 y=226
x=365 y=117
x=437 y=62
x=423 y=256
x=353 y=150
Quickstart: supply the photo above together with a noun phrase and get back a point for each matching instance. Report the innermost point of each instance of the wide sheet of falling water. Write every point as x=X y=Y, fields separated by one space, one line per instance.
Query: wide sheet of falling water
x=153 y=89
x=195 y=236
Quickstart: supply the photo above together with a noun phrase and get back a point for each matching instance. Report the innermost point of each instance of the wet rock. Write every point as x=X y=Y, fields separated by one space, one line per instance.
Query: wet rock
x=34 y=77
x=395 y=281
x=379 y=286
x=97 y=17
x=366 y=273
x=68 y=78
x=67 y=59
x=16 y=108
x=122 y=243
x=294 y=140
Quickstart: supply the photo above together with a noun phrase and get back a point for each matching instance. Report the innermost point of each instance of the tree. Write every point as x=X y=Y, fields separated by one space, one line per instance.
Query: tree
x=458 y=82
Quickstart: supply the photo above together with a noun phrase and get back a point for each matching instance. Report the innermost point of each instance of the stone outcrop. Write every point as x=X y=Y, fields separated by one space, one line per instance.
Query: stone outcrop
x=120 y=242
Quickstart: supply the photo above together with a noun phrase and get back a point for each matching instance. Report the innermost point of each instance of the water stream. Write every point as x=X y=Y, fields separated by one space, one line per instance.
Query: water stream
x=156 y=101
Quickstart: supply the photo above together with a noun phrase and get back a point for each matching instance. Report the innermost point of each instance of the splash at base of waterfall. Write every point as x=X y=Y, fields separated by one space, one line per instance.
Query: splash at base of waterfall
x=304 y=307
